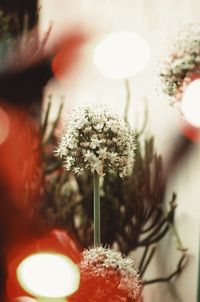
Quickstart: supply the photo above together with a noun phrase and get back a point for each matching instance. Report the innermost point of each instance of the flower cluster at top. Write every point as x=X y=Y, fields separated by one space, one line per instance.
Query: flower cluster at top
x=97 y=140
x=183 y=63
x=107 y=276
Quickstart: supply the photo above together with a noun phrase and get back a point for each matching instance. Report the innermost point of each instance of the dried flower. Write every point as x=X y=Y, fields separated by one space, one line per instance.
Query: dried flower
x=182 y=63
x=107 y=276
x=97 y=140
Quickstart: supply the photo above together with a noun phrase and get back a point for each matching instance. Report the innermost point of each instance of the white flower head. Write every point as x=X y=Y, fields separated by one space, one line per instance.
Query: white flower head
x=97 y=139
x=182 y=62
x=112 y=276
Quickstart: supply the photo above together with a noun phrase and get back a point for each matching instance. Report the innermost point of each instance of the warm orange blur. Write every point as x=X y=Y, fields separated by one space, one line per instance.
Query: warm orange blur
x=21 y=171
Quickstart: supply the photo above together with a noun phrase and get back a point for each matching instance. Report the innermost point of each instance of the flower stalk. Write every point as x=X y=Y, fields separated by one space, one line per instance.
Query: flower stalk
x=96 y=199
x=128 y=99
x=97 y=140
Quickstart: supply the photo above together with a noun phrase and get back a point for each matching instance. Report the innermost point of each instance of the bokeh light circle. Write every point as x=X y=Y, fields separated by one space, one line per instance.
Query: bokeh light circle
x=190 y=104
x=48 y=275
x=121 y=55
x=24 y=299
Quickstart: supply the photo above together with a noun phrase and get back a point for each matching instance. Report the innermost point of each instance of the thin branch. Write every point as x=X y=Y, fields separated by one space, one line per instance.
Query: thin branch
x=45 y=38
x=46 y=119
x=54 y=125
x=168 y=220
x=180 y=245
x=128 y=98
x=149 y=241
x=179 y=269
x=154 y=222
x=156 y=230
x=174 y=231
x=52 y=167
x=143 y=257
x=144 y=268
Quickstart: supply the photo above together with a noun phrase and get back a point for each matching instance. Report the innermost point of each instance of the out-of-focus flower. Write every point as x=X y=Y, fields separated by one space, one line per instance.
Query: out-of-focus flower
x=183 y=62
x=107 y=276
x=98 y=140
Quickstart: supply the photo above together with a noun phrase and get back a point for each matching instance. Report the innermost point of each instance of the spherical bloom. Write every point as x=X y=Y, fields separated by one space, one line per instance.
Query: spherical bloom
x=97 y=140
x=107 y=276
x=183 y=62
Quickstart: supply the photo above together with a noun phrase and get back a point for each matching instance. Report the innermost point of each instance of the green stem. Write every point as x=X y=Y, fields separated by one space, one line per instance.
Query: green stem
x=128 y=99
x=97 y=233
x=178 y=239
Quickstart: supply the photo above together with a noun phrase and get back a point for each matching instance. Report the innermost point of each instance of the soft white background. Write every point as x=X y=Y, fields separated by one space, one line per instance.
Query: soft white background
x=155 y=20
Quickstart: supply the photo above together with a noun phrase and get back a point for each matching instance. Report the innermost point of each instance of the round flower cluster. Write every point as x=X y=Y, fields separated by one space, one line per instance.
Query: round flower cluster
x=183 y=63
x=97 y=140
x=107 y=276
